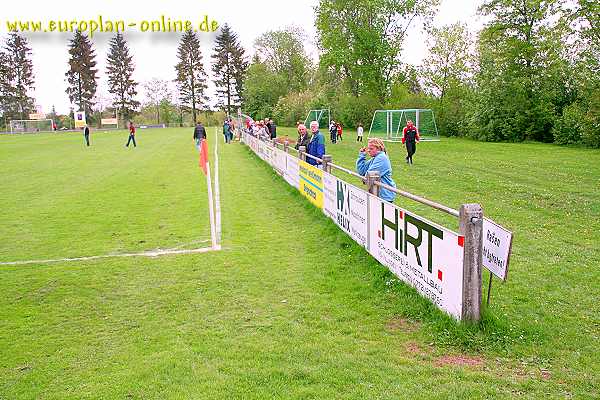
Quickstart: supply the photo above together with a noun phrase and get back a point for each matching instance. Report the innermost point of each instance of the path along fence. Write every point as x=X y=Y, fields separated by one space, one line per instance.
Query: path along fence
x=442 y=265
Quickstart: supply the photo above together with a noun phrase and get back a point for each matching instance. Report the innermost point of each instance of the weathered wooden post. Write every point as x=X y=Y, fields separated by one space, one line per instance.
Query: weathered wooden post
x=471 y=227
x=371 y=178
x=302 y=153
x=327 y=160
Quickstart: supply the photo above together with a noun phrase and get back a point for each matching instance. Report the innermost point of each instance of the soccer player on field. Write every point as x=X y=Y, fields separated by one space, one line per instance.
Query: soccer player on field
x=131 y=135
x=410 y=137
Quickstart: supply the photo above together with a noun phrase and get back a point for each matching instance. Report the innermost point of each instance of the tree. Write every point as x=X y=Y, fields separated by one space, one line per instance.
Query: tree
x=157 y=91
x=120 y=82
x=81 y=76
x=191 y=78
x=16 y=78
x=229 y=68
x=262 y=90
x=522 y=76
x=446 y=74
x=283 y=53
x=362 y=39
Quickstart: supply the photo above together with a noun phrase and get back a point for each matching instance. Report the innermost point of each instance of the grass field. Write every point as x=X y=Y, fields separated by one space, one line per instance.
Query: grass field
x=290 y=308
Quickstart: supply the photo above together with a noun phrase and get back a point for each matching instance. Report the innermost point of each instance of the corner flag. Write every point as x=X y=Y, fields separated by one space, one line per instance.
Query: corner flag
x=204 y=156
x=205 y=166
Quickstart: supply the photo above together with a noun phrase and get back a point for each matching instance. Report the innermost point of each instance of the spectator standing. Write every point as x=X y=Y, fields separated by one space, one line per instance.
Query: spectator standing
x=379 y=162
x=316 y=146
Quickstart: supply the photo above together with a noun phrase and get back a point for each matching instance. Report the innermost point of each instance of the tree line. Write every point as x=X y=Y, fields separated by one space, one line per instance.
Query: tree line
x=228 y=67
x=531 y=73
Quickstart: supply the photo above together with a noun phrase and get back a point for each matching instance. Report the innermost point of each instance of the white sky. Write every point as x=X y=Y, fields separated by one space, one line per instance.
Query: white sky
x=155 y=53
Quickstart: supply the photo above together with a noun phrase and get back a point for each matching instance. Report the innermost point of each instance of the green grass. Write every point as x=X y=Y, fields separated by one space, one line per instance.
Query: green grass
x=291 y=308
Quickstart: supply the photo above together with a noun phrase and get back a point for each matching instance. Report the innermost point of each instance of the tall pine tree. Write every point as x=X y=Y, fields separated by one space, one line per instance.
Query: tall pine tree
x=191 y=78
x=81 y=76
x=120 y=82
x=16 y=78
x=229 y=69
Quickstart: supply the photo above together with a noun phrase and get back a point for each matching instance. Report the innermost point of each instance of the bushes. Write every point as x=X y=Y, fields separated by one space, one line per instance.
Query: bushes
x=352 y=110
x=567 y=127
x=291 y=108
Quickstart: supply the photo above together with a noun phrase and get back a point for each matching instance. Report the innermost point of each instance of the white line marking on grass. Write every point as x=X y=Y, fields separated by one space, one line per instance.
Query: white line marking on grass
x=150 y=253
x=217 y=195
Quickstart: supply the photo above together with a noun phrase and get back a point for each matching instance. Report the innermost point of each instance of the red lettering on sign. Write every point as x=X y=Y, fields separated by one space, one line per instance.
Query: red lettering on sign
x=440 y=274
x=461 y=241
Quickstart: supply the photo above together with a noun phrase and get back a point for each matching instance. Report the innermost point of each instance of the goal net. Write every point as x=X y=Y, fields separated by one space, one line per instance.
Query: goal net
x=31 y=125
x=323 y=117
x=388 y=124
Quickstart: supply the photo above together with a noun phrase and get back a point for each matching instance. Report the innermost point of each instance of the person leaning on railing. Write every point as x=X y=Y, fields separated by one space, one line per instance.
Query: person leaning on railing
x=379 y=162
x=303 y=137
x=316 y=146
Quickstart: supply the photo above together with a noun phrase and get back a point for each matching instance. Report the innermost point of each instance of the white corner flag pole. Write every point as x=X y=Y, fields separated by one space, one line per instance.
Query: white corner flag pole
x=213 y=234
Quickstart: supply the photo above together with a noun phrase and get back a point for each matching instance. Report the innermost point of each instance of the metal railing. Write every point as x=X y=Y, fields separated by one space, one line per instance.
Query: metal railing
x=470 y=219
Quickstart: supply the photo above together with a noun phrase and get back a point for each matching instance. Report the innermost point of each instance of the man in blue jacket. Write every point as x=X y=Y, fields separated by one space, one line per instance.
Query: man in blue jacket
x=316 y=146
x=379 y=162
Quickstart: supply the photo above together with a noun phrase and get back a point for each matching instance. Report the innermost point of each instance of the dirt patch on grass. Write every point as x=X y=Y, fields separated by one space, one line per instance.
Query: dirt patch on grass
x=402 y=324
x=416 y=349
x=461 y=360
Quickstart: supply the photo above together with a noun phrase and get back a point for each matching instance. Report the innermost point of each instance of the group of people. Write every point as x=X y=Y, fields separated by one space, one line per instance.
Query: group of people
x=228 y=128
x=314 y=145
x=264 y=129
x=131 y=139
x=335 y=131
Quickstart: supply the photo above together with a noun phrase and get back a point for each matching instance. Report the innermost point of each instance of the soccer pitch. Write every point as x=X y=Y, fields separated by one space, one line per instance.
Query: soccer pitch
x=291 y=307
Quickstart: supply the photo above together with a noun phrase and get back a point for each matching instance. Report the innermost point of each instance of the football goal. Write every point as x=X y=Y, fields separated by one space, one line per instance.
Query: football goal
x=31 y=125
x=323 y=117
x=388 y=124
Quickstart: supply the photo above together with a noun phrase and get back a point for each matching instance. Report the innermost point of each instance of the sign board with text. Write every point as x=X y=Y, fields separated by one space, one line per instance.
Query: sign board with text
x=497 y=245
x=311 y=183
x=423 y=254
x=79 y=119
x=347 y=206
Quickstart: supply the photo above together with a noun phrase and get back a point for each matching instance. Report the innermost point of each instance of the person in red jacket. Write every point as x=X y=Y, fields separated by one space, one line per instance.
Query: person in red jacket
x=131 y=135
x=410 y=137
x=339 y=132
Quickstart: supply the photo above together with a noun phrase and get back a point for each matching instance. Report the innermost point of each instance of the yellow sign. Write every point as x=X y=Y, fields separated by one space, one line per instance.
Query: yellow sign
x=311 y=183
x=79 y=119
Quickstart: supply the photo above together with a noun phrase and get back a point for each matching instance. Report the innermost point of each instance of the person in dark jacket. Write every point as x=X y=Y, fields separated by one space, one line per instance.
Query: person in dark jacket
x=410 y=137
x=227 y=132
x=272 y=129
x=199 y=134
x=86 y=134
x=316 y=146
x=333 y=131
x=303 y=137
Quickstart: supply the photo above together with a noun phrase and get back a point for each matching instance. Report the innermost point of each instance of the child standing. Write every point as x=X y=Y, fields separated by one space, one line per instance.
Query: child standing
x=359 y=132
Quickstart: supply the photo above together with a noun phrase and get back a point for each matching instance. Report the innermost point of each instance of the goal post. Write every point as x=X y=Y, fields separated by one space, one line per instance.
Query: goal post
x=322 y=116
x=31 y=125
x=388 y=124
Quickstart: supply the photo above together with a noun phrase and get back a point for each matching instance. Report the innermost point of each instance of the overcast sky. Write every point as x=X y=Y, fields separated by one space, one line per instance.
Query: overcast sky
x=155 y=53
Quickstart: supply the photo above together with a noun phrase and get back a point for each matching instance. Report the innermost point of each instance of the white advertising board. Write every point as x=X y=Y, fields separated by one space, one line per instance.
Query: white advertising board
x=347 y=205
x=279 y=160
x=292 y=171
x=425 y=255
x=497 y=244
